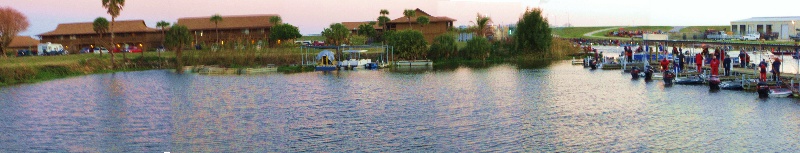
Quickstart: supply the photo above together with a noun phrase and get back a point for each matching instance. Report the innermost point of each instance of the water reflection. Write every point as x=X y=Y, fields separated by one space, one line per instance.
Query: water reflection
x=516 y=107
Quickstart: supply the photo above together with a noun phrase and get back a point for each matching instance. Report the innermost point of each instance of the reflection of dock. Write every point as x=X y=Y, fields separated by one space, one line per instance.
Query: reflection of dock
x=222 y=70
x=414 y=63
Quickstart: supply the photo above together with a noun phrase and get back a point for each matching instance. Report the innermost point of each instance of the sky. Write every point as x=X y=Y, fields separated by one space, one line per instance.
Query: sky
x=312 y=16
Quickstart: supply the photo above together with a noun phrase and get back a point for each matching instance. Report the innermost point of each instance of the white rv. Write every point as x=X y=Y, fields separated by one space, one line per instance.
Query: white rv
x=51 y=49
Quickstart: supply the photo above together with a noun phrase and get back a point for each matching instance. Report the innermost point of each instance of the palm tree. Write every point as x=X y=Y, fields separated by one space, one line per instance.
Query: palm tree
x=408 y=13
x=163 y=25
x=100 y=26
x=482 y=23
x=114 y=7
x=216 y=18
x=275 y=20
x=423 y=20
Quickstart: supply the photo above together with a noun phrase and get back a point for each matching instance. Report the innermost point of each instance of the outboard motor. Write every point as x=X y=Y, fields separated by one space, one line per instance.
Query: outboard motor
x=763 y=90
x=635 y=72
x=713 y=82
x=668 y=77
x=593 y=64
x=648 y=73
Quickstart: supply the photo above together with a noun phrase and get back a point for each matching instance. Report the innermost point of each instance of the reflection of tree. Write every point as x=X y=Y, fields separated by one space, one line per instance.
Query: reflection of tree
x=113 y=115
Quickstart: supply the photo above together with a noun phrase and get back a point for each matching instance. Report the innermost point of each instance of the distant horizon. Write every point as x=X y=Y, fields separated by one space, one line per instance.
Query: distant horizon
x=312 y=16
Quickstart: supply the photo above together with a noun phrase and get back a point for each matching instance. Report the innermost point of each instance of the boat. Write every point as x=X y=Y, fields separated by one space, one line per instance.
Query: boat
x=355 y=60
x=713 y=82
x=371 y=66
x=731 y=85
x=763 y=89
x=782 y=52
x=635 y=73
x=668 y=77
x=780 y=92
x=325 y=61
x=690 y=80
x=648 y=73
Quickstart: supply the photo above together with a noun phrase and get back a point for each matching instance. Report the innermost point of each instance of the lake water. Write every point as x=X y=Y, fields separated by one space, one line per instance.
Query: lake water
x=494 y=108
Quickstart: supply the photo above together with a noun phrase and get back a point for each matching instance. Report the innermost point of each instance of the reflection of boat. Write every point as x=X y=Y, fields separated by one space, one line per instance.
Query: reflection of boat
x=690 y=80
x=325 y=61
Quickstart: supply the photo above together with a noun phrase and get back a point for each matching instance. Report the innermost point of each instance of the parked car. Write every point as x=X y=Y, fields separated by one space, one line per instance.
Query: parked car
x=133 y=49
x=160 y=49
x=754 y=36
x=98 y=50
x=24 y=52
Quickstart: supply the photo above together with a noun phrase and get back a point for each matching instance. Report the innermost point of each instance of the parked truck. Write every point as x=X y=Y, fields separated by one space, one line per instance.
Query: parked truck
x=51 y=49
x=719 y=35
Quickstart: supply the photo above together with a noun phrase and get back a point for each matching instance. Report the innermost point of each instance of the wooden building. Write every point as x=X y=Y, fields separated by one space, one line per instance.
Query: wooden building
x=253 y=29
x=353 y=26
x=438 y=24
x=23 y=42
x=75 y=36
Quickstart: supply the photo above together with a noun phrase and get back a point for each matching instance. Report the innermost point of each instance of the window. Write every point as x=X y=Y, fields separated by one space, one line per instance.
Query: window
x=72 y=37
x=246 y=31
x=61 y=37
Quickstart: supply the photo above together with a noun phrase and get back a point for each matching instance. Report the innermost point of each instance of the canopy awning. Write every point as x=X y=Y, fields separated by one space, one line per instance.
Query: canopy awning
x=327 y=53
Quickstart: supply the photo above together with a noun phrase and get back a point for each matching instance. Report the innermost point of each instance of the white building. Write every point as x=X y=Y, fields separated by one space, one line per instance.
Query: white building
x=784 y=26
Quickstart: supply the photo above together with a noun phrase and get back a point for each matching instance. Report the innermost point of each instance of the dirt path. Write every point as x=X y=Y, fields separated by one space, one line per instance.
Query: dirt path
x=591 y=34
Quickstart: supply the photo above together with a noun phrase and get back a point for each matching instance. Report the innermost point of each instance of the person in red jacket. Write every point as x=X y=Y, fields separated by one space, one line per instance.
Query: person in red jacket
x=664 y=65
x=763 y=66
x=714 y=67
x=698 y=60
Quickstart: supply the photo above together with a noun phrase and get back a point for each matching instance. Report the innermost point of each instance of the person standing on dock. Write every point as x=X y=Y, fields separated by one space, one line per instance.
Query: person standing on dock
x=681 y=59
x=664 y=65
x=714 y=67
x=776 y=69
x=727 y=65
x=763 y=66
x=629 y=53
x=698 y=60
x=741 y=59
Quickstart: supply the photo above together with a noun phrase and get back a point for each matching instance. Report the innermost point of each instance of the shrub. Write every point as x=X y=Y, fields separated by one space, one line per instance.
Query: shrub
x=409 y=44
x=533 y=32
x=443 y=47
x=477 y=48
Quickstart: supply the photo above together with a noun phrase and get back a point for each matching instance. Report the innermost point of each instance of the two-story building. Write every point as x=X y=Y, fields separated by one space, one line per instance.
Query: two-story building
x=353 y=26
x=253 y=29
x=75 y=36
x=23 y=42
x=438 y=24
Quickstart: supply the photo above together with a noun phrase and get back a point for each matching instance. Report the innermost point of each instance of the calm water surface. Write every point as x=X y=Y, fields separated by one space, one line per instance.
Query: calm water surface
x=498 y=108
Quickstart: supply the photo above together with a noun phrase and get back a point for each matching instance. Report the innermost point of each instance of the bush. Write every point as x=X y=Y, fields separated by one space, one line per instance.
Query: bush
x=409 y=44
x=356 y=40
x=443 y=47
x=477 y=48
x=533 y=33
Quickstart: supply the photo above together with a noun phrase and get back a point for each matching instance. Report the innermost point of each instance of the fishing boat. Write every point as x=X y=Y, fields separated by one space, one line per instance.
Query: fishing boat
x=325 y=61
x=713 y=82
x=355 y=60
x=690 y=80
x=635 y=73
x=731 y=85
x=782 y=52
x=668 y=77
x=780 y=92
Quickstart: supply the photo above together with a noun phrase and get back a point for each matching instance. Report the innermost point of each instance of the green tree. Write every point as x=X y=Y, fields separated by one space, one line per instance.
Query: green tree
x=477 y=48
x=482 y=25
x=357 y=40
x=533 y=32
x=100 y=26
x=443 y=47
x=382 y=20
x=275 y=20
x=409 y=13
x=409 y=44
x=366 y=30
x=336 y=34
x=163 y=25
x=114 y=7
x=177 y=37
x=216 y=18
x=11 y=23
x=284 y=32
x=423 y=20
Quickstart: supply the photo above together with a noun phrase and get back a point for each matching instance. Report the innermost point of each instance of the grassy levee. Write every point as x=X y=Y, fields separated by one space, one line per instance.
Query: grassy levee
x=575 y=32
x=637 y=28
